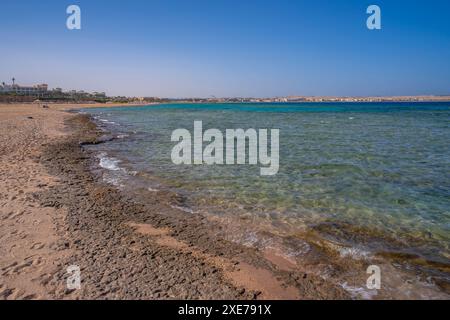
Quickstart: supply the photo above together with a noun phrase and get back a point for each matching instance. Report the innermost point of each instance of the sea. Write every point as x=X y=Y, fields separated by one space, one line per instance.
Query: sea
x=370 y=179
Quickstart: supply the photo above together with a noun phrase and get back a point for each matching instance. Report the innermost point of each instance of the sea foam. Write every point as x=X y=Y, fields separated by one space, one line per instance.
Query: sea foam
x=108 y=162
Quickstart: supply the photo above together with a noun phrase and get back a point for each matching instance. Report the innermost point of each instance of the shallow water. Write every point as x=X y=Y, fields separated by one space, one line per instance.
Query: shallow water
x=371 y=175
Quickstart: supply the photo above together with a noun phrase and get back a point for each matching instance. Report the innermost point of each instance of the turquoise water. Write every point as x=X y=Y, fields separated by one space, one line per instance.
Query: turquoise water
x=371 y=174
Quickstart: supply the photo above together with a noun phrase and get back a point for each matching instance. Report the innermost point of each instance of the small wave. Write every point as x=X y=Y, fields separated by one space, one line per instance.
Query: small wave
x=360 y=292
x=354 y=253
x=112 y=164
x=152 y=190
x=107 y=121
x=108 y=162
x=251 y=238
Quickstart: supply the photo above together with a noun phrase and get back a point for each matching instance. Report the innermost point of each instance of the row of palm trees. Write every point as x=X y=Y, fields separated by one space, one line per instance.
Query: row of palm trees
x=13 y=81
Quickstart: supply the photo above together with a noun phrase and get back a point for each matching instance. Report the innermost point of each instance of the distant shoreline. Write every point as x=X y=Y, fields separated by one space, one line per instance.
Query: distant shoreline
x=297 y=102
x=134 y=102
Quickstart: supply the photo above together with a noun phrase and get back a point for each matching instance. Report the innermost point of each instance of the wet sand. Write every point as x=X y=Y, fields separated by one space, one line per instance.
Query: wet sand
x=56 y=212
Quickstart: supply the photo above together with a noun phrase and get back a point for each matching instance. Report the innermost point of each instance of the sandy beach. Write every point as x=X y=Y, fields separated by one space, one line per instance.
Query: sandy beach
x=55 y=212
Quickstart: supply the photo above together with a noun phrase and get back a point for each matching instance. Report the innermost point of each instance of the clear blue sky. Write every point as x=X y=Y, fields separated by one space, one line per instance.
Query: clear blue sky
x=181 y=48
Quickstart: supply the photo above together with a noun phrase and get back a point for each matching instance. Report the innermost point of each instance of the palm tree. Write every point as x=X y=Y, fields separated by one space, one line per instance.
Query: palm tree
x=13 y=80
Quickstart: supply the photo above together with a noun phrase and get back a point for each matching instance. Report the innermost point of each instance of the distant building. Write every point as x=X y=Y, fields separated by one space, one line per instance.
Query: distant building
x=35 y=90
x=99 y=94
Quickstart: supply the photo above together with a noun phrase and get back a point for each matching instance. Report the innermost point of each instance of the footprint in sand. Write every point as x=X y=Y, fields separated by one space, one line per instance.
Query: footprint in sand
x=37 y=246
x=17 y=294
x=20 y=268
x=6 y=270
x=17 y=214
x=6 y=293
x=8 y=215
x=37 y=262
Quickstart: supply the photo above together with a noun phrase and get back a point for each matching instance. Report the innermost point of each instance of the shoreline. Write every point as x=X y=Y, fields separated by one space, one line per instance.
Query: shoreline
x=333 y=238
x=368 y=101
x=339 y=262
x=293 y=99
x=129 y=248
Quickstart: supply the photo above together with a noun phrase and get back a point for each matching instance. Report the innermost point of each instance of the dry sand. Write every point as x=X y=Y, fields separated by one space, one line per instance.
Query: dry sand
x=55 y=212
x=27 y=231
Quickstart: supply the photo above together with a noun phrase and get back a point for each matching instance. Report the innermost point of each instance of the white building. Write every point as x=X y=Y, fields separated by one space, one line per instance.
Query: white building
x=24 y=90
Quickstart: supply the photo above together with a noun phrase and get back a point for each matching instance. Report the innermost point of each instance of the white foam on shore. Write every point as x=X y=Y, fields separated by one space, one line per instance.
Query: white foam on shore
x=107 y=121
x=115 y=174
x=354 y=253
x=108 y=162
x=360 y=292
